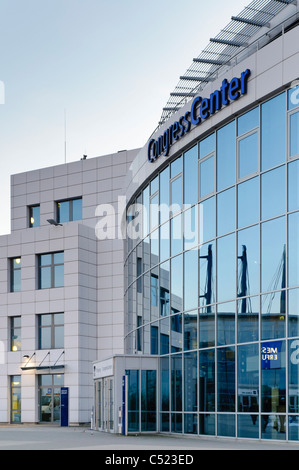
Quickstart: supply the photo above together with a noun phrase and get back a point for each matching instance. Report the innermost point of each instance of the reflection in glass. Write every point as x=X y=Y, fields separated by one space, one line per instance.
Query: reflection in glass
x=248 y=202
x=207 y=274
x=191 y=279
x=164 y=195
x=191 y=228
x=164 y=367
x=190 y=330
x=154 y=248
x=190 y=376
x=294 y=249
x=226 y=268
x=146 y=212
x=273 y=314
x=294 y=134
x=226 y=212
x=190 y=176
x=273 y=132
x=248 y=426
x=190 y=423
x=226 y=323
x=176 y=284
x=154 y=212
x=273 y=193
x=273 y=387
x=248 y=380
x=226 y=156
x=293 y=376
x=164 y=242
x=164 y=336
x=226 y=425
x=176 y=322
x=226 y=379
x=164 y=289
x=176 y=195
x=176 y=167
x=207 y=380
x=248 y=152
x=248 y=319
x=274 y=427
x=176 y=229
x=207 y=327
x=176 y=383
x=148 y=400
x=293 y=312
x=293 y=95
x=273 y=255
x=293 y=186
x=248 y=262
x=207 y=176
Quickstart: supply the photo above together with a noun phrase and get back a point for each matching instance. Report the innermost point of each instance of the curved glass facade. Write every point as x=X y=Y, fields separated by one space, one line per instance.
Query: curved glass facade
x=212 y=282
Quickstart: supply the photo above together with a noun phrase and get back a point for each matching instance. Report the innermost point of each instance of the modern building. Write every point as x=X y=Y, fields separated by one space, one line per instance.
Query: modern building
x=168 y=298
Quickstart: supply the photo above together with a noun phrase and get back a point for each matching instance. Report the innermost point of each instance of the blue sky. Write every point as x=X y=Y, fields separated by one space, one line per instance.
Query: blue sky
x=104 y=62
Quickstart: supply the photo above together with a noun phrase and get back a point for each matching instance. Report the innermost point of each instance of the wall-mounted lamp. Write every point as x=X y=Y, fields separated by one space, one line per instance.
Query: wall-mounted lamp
x=53 y=222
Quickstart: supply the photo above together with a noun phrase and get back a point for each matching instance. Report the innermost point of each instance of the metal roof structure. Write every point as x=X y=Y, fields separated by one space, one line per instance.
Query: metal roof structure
x=222 y=49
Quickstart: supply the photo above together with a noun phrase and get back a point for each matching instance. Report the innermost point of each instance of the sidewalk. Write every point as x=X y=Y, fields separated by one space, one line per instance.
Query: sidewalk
x=56 y=438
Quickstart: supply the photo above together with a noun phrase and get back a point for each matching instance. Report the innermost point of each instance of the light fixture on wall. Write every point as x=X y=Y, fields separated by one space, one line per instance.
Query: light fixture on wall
x=53 y=222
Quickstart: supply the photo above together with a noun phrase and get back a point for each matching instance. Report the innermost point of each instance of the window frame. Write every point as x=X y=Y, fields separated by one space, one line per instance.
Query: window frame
x=51 y=266
x=52 y=327
x=30 y=215
x=12 y=272
x=71 y=209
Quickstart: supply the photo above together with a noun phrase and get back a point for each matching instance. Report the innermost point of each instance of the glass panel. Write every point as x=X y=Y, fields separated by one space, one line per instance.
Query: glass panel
x=248 y=154
x=16 y=280
x=273 y=193
x=226 y=268
x=176 y=383
x=226 y=212
x=293 y=186
x=226 y=156
x=190 y=375
x=154 y=185
x=63 y=211
x=56 y=407
x=176 y=195
x=190 y=176
x=248 y=261
x=176 y=167
x=164 y=383
x=207 y=424
x=294 y=134
x=226 y=425
x=226 y=379
x=293 y=98
x=164 y=195
x=190 y=423
x=77 y=209
x=248 y=319
x=146 y=212
x=164 y=289
x=176 y=227
x=164 y=336
x=155 y=338
x=191 y=279
x=207 y=380
x=226 y=323
x=248 y=426
x=133 y=400
x=294 y=249
x=207 y=146
x=248 y=202
x=154 y=212
x=248 y=379
x=176 y=284
x=58 y=276
x=249 y=121
x=207 y=261
x=274 y=427
x=58 y=379
x=46 y=404
x=273 y=254
x=294 y=376
x=176 y=333
x=191 y=228
x=294 y=312
x=164 y=242
x=155 y=248
x=34 y=216
x=45 y=338
x=58 y=258
x=148 y=400
x=207 y=327
x=190 y=330
x=207 y=176
x=176 y=422
x=207 y=220
x=59 y=337
x=294 y=428
x=273 y=387
x=16 y=399
x=45 y=260
x=45 y=278
x=273 y=315
x=273 y=132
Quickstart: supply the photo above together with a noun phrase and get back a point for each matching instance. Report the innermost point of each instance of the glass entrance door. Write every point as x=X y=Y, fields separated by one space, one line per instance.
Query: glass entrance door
x=50 y=397
x=105 y=405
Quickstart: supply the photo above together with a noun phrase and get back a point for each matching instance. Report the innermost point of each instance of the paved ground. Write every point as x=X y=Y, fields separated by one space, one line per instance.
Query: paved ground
x=56 y=438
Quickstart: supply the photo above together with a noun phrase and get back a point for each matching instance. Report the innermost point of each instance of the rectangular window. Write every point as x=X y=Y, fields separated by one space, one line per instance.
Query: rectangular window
x=51 y=270
x=15 y=398
x=34 y=216
x=15 y=274
x=248 y=155
x=69 y=211
x=226 y=156
x=51 y=331
x=15 y=334
x=294 y=134
x=273 y=132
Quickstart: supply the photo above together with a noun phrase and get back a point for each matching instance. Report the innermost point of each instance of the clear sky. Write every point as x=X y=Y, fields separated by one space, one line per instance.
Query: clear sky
x=100 y=62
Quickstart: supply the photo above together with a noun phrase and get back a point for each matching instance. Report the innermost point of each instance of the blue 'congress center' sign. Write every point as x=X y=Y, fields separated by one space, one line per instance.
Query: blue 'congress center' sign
x=201 y=109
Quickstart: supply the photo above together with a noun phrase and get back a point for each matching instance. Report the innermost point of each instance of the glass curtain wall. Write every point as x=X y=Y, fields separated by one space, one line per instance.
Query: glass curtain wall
x=213 y=279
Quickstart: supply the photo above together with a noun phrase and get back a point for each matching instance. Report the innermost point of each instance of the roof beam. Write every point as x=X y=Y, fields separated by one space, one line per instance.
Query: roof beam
x=228 y=43
x=287 y=2
x=196 y=79
x=252 y=22
x=209 y=61
x=183 y=94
